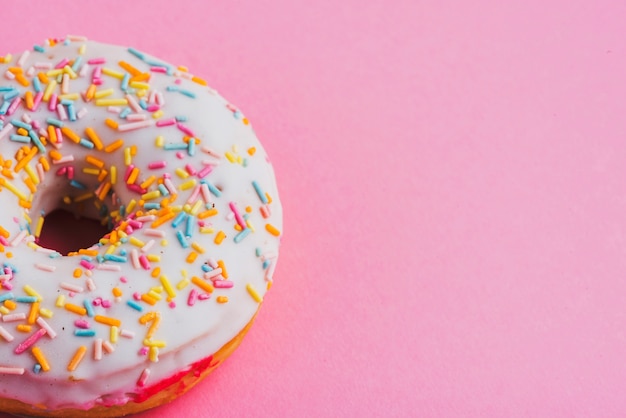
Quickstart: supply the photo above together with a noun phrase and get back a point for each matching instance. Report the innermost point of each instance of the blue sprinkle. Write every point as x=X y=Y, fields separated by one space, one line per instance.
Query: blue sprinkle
x=191 y=148
x=77 y=184
x=213 y=189
x=125 y=112
x=134 y=305
x=266 y=264
x=258 y=251
x=37 y=368
x=171 y=88
x=19 y=124
x=100 y=259
x=86 y=143
x=116 y=258
x=125 y=81
x=84 y=332
x=77 y=62
x=55 y=122
x=122 y=210
x=178 y=219
x=206 y=268
x=20 y=138
x=38 y=144
x=38 y=48
x=123 y=252
x=87 y=258
x=181 y=118
x=143 y=104
x=11 y=94
x=259 y=192
x=136 y=53
x=4 y=108
x=175 y=147
x=89 y=308
x=163 y=190
x=6 y=88
x=66 y=102
x=6 y=296
x=124 y=240
x=189 y=227
x=182 y=239
x=241 y=235
x=152 y=205
x=71 y=112
x=26 y=299
x=37 y=84
x=66 y=42
x=188 y=93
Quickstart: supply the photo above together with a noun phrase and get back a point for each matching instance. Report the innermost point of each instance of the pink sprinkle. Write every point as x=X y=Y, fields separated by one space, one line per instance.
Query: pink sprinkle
x=4 y=241
x=158 y=69
x=178 y=81
x=94 y=61
x=106 y=303
x=81 y=323
x=97 y=72
x=87 y=264
x=129 y=169
x=143 y=260
x=166 y=122
x=193 y=295
x=185 y=129
x=37 y=101
x=123 y=279
x=143 y=351
x=97 y=81
x=133 y=103
x=213 y=273
x=30 y=341
x=205 y=171
x=134 y=259
x=153 y=108
x=135 y=125
x=135 y=188
x=172 y=304
x=62 y=63
x=97 y=301
x=137 y=296
x=13 y=107
x=108 y=347
x=223 y=284
x=155 y=165
x=238 y=216
x=61 y=112
x=190 y=170
x=134 y=117
x=7 y=285
x=59 y=135
x=180 y=155
x=135 y=224
x=52 y=104
x=204 y=296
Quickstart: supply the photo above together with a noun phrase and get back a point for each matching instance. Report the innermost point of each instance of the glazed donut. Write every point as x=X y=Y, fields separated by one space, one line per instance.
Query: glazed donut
x=187 y=193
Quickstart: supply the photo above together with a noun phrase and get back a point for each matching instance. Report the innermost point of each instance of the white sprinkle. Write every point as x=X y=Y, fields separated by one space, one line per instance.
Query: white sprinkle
x=135 y=125
x=14 y=317
x=170 y=186
x=147 y=246
x=134 y=258
x=43 y=324
x=64 y=159
x=83 y=70
x=81 y=113
x=61 y=112
x=5 y=334
x=11 y=370
x=6 y=130
x=91 y=286
x=146 y=218
x=109 y=267
x=108 y=347
x=133 y=104
x=154 y=233
x=114 y=109
x=127 y=333
x=9 y=75
x=23 y=58
x=41 y=173
x=19 y=238
x=31 y=71
x=71 y=287
x=97 y=349
x=269 y=273
x=133 y=117
x=45 y=267
x=211 y=274
x=43 y=65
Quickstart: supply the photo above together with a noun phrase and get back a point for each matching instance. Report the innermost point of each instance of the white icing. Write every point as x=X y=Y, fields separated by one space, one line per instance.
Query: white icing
x=191 y=333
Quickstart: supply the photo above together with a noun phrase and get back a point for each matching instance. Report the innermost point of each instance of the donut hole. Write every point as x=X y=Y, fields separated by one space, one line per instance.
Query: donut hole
x=66 y=232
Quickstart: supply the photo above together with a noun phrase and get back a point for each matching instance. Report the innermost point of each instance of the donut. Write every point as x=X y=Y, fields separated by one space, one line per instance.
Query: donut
x=188 y=197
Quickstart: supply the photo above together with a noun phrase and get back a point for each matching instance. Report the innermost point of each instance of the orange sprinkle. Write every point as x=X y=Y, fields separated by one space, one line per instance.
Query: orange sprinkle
x=70 y=134
x=156 y=272
x=111 y=124
x=117 y=292
x=192 y=257
x=25 y=159
x=202 y=284
x=44 y=163
x=251 y=151
x=222 y=299
x=39 y=356
x=272 y=230
x=115 y=145
x=52 y=134
x=93 y=136
x=148 y=299
x=207 y=213
x=43 y=77
x=90 y=92
x=4 y=232
x=24 y=328
x=10 y=304
x=33 y=313
x=28 y=97
x=221 y=265
x=161 y=220
x=132 y=70
x=85 y=251
x=79 y=310
x=22 y=80
x=114 y=322
x=78 y=356
x=140 y=77
x=77 y=273
x=219 y=237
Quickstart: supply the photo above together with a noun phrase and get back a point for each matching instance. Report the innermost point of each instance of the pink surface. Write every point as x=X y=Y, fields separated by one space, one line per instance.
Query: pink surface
x=454 y=186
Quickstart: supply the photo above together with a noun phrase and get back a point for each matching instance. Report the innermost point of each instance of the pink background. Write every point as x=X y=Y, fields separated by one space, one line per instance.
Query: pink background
x=454 y=184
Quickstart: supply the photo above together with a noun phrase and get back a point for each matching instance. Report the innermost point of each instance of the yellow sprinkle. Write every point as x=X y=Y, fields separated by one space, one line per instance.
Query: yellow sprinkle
x=151 y=195
x=151 y=343
x=272 y=230
x=113 y=322
x=139 y=85
x=39 y=226
x=112 y=73
x=147 y=184
x=196 y=207
x=188 y=184
x=103 y=93
x=46 y=313
x=83 y=197
x=136 y=242
x=54 y=73
x=197 y=247
x=159 y=141
x=78 y=356
x=222 y=299
x=49 y=90
x=253 y=292
x=91 y=171
x=230 y=157
x=60 y=302
x=13 y=189
x=153 y=354
x=127 y=157
x=31 y=292
x=79 y=310
x=82 y=49
x=131 y=206
x=4 y=310
x=183 y=283
x=157 y=114
x=220 y=237
x=156 y=320
x=154 y=258
x=111 y=102
x=31 y=173
x=114 y=334
x=67 y=69
x=39 y=356
x=167 y=286
x=180 y=172
x=24 y=328
x=69 y=96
